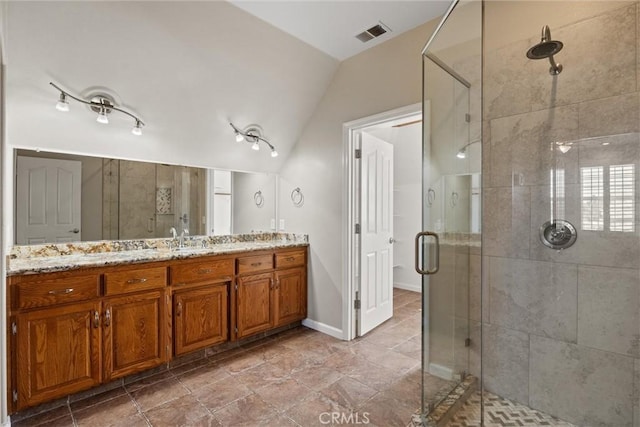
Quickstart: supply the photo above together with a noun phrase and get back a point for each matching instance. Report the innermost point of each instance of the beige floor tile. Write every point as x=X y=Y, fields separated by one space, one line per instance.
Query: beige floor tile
x=349 y=393
x=183 y=411
x=284 y=394
x=246 y=410
x=220 y=394
x=207 y=375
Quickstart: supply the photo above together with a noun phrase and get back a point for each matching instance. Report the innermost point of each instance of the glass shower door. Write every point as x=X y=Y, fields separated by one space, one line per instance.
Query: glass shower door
x=448 y=249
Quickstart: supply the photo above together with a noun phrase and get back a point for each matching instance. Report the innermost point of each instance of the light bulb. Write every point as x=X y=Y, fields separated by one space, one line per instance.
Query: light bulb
x=239 y=137
x=255 y=146
x=462 y=154
x=62 y=104
x=137 y=129
x=102 y=117
x=274 y=153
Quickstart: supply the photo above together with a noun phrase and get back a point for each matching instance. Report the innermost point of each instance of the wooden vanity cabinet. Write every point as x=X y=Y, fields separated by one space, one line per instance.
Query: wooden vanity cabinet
x=73 y=330
x=58 y=352
x=55 y=335
x=290 y=286
x=66 y=337
x=254 y=304
x=201 y=303
x=134 y=320
x=271 y=291
x=290 y=297
x=134 y=333
x=200 y=317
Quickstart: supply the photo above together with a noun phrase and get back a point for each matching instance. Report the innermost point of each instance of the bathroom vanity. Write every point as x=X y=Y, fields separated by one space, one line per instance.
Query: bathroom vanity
x=79 y=319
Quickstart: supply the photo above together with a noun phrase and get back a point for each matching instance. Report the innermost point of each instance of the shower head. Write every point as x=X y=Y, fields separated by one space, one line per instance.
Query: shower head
x=546 y=49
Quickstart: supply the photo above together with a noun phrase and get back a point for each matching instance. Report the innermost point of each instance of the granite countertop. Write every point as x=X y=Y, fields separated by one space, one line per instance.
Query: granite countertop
x=63 y=257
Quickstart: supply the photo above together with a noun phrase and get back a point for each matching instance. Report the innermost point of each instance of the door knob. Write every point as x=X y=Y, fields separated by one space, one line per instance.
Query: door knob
x=391 y=240
x=75 y=230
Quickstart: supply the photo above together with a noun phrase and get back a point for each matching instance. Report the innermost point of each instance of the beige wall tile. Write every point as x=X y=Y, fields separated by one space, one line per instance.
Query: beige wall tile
x=609 y=116
x=507 y=88
x=534 y=297
x=636 y=398
x=609 y=309
x=506 y=214
x=579 y=384
x=523 y=146
x=506 y=362
x=594 y=66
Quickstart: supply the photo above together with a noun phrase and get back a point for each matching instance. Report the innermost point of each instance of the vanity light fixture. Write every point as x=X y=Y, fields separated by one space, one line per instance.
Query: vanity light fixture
x=253 y=135
x=462 y=153
x=100 y=103
x=62 y=104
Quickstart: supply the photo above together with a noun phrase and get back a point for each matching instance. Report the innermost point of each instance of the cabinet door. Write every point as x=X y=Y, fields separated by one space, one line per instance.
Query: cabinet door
x=200 y=318
x=58 y=352
x=134 y=333
x=290 y=296
x=253 y=301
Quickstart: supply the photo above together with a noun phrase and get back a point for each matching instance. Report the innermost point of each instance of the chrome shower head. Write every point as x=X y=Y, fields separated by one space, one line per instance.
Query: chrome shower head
x=546 y=49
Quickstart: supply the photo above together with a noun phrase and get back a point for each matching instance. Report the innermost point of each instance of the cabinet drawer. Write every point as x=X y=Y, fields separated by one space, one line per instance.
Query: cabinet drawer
x=142 y=279
x=255 y=263
x=44 y=291
x=290 y=259
x=193 y=272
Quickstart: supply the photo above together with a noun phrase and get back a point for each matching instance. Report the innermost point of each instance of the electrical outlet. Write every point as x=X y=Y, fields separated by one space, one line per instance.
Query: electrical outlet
x=273 y=223
x=282 y=225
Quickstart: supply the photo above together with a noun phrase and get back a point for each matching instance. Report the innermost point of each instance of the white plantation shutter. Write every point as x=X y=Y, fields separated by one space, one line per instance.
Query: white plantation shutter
x=621 y=198
x=592 y=198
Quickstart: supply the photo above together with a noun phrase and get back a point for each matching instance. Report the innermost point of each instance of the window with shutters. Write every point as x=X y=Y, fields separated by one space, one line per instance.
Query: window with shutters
x=622 y=198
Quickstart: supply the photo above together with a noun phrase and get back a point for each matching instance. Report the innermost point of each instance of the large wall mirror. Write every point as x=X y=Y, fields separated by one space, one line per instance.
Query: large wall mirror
x=65 y=198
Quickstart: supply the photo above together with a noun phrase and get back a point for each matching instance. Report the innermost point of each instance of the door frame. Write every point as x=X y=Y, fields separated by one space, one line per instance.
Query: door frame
x=350 y=143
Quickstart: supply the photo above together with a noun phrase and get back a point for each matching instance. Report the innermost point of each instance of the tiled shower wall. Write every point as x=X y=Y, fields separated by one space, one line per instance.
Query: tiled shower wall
x=562 y=328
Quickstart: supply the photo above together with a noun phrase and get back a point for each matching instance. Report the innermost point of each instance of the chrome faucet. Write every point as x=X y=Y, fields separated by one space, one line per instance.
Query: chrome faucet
x=185 y=233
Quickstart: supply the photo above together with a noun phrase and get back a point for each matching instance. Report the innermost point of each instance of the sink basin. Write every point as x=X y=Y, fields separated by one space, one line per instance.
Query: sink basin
x=190 y=250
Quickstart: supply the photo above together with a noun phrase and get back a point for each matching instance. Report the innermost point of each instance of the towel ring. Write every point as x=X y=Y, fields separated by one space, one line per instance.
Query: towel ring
x=431 y=196
x=258 y=198
x=297 y=197
x=454 y=199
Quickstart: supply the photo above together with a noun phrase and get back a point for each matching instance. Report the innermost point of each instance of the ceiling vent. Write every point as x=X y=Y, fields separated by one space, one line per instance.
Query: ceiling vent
x=373 y=32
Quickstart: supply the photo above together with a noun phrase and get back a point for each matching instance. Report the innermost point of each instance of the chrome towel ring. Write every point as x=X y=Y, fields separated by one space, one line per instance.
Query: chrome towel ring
x=258 y=198
x=297 y=197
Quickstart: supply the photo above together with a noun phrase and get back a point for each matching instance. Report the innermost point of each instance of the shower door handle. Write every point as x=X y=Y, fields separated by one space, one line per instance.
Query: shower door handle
x=420 y=268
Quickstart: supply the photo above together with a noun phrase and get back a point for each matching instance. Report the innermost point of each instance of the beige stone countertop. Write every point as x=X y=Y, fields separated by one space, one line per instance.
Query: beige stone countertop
x=49 y=264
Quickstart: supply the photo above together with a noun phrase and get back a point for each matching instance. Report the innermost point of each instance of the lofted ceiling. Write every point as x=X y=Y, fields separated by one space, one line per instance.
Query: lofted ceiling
x=186 y=68
x=331 y=26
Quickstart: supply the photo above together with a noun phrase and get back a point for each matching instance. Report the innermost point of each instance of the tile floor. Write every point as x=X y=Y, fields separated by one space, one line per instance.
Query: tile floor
x=500 y=412
x=291 y=379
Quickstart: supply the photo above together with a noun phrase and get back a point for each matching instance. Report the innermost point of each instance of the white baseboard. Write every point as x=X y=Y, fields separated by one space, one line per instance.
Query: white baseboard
x=408 y=287
x=324 y=328
x=440 y=371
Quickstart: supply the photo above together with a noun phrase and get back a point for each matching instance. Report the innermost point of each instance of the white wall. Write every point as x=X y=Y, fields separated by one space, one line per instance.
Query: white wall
x=247 y=216
x=187 y=68
x=385 y=77
x=3 y=224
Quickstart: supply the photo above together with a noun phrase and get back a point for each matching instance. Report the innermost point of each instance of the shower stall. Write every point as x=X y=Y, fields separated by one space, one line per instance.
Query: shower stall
x=531 y=242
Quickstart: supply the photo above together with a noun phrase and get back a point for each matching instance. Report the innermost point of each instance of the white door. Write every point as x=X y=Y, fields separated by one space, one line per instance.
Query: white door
x=376 y=233
x=48 y=200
